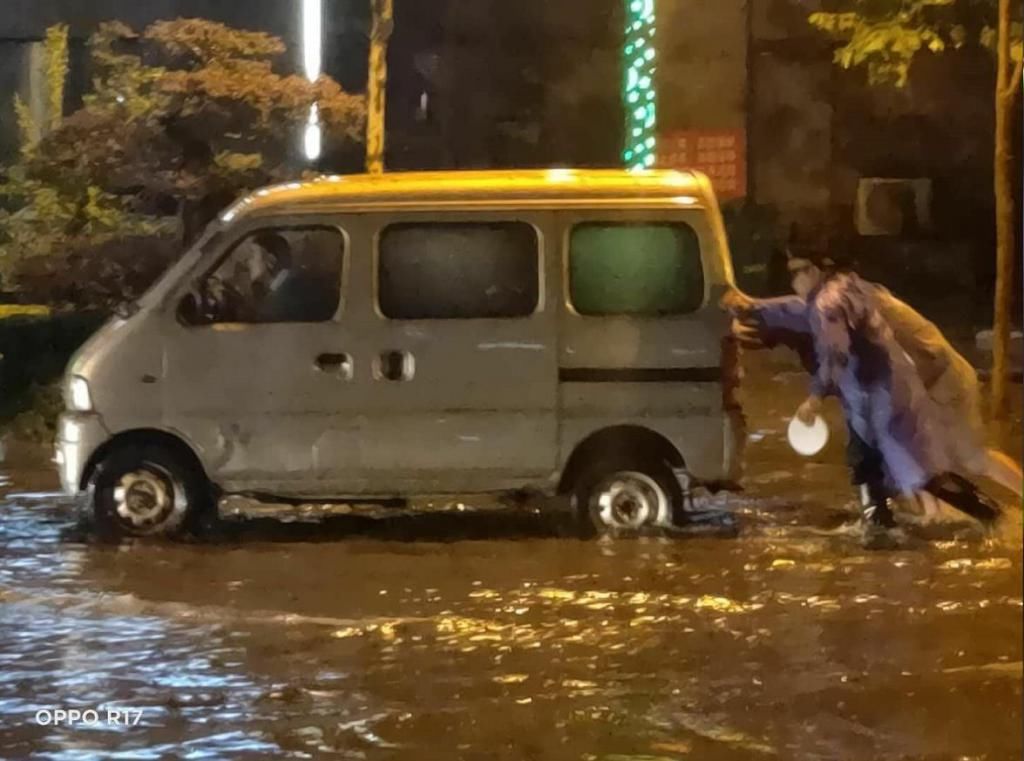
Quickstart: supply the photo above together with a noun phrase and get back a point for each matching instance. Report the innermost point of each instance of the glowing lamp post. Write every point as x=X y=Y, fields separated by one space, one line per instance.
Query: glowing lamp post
x=638 y=94
x=312 y=61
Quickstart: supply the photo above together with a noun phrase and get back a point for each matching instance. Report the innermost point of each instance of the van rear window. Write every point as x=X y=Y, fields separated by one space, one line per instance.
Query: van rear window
x=458 y=270
x=635 y=269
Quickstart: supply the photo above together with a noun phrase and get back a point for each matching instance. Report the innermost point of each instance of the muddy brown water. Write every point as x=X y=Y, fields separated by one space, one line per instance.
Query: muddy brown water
x=493 y=636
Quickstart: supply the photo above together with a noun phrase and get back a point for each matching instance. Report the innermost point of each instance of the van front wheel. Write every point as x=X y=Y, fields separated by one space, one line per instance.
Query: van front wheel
x=148 y=490
x=613 y=497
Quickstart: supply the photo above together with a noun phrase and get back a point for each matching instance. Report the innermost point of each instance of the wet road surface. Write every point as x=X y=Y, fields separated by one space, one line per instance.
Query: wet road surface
x=483 y=636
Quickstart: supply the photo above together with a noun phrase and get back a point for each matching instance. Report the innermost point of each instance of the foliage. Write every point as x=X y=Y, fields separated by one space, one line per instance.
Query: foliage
x=28 y=128
x=56 y=47
x=37 y=421
x=885 y=35
x=49 y=226
x=189 y=109
x=185 y=112
x=116 y=267
x=34 y=351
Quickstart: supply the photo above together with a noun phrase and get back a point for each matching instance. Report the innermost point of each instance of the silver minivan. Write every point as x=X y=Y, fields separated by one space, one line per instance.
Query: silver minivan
x=368 y=339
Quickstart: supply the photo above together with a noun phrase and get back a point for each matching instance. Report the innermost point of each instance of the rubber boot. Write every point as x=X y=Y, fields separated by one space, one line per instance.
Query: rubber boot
x=879 y=521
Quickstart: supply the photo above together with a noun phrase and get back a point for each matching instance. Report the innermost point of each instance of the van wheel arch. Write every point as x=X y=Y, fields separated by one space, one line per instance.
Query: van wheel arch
x=622 y=478
x=139 y=438
x=609 y=443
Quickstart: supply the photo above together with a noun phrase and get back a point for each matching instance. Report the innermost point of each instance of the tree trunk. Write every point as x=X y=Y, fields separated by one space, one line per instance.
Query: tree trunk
x=376 y=91
x=1007 y=84
x=1004 y=258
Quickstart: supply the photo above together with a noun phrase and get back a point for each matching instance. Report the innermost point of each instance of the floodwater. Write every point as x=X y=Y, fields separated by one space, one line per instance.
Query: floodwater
x=494 y=636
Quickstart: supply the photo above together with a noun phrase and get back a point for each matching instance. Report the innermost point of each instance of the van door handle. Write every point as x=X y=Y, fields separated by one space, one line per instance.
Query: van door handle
x=394 y=366
x=339 y=364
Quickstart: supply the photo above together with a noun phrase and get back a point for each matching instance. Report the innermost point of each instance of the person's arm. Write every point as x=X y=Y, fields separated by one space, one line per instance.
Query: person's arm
x=832 y=345
x=784 y=313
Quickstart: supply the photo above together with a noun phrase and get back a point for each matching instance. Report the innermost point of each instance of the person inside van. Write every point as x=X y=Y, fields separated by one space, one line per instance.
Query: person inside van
x=296 y=286
x=265 y=281
x=909 y=401
x=237 y=291
x=273 y=262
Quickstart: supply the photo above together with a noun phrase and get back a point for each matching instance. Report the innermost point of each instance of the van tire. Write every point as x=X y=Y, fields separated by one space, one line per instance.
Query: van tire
x=148 y=490
x=619 y=495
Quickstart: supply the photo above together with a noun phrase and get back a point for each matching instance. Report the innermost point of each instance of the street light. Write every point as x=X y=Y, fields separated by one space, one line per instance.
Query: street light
x=313 y=139
x=312 y=60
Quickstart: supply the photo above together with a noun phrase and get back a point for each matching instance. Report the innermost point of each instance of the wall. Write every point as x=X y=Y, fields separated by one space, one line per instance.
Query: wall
x=702 y=64
x=791 y=113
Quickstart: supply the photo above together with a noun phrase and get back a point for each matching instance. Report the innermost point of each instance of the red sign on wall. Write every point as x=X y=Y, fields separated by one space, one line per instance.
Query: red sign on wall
x=720 y=154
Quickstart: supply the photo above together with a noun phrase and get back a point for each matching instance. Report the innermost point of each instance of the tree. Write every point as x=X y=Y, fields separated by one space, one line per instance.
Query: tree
x=45 y=225
x=884 y=36
x=191 y=110
x=182 y=118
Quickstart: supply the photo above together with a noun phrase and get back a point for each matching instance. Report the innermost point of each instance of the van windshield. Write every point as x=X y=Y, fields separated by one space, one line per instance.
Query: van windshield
x=213 y=235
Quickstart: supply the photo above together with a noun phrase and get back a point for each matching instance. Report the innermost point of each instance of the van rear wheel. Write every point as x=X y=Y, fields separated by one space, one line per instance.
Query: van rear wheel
x=148 y=490
x=622 y=496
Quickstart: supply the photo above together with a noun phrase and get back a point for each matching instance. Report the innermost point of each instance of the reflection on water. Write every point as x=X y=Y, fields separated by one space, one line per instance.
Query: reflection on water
x=538 y=647
x=485 y=637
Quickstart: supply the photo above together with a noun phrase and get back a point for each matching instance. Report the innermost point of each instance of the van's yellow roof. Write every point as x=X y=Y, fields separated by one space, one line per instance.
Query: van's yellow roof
x=519 y=187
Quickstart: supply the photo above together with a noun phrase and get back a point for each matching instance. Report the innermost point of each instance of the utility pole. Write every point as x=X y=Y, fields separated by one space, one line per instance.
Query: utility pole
x=376 y=91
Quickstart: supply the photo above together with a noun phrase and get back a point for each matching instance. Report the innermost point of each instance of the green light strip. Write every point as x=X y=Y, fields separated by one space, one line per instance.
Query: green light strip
x=638 y=93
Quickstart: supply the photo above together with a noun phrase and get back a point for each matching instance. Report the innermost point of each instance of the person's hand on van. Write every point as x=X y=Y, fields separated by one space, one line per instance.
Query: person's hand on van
x=747 y=334
x=736 y=301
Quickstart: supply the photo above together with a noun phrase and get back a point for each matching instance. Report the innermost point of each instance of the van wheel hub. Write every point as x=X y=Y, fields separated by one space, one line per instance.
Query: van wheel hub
x=144 y=499
x=628 y=501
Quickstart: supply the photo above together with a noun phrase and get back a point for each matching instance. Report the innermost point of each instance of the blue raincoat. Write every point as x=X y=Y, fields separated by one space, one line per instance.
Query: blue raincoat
x=858 y=360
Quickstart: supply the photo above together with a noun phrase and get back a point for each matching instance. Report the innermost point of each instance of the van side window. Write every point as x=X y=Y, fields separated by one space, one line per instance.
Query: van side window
x=644 y=269
x=277 y=275
x=458 y=270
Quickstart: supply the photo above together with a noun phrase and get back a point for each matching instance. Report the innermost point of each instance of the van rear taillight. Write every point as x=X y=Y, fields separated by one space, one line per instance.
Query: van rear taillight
x=732 y=373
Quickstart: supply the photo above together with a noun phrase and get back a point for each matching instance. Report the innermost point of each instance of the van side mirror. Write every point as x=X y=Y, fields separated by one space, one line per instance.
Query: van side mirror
x=190 y=310
x=126 y=309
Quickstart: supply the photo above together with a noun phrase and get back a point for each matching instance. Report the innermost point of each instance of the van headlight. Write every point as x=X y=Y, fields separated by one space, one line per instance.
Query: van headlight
x=79 y=397
x=70 y=431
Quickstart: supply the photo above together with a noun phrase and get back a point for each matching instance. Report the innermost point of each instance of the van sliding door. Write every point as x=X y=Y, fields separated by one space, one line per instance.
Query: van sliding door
x=464 y=354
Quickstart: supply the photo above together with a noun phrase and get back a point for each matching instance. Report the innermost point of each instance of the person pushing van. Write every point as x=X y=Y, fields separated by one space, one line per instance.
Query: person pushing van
x=910 y=400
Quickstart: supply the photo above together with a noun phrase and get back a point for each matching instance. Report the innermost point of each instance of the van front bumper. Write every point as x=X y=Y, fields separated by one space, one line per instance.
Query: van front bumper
x=79 y=435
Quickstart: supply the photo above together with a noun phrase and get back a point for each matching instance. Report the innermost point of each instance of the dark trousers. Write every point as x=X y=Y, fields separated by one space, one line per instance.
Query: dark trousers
x=865 y=463
x=866 y=470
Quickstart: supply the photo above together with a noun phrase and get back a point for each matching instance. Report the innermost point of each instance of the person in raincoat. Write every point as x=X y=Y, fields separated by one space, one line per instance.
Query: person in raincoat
x=950 y=380
x=907 y=422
